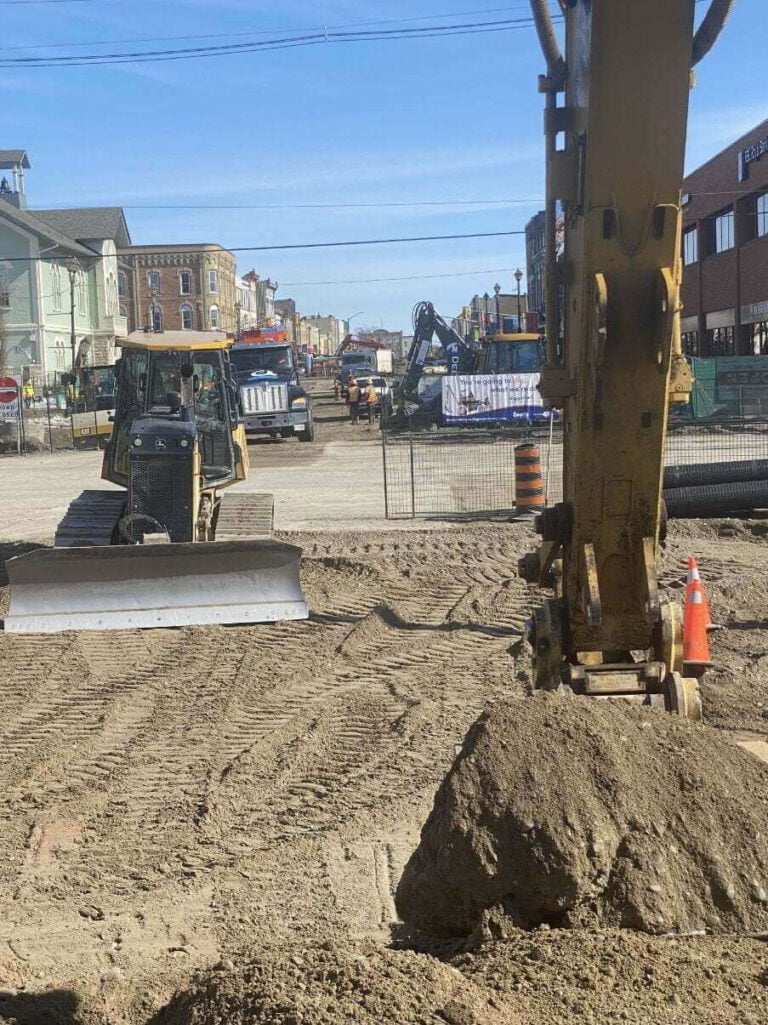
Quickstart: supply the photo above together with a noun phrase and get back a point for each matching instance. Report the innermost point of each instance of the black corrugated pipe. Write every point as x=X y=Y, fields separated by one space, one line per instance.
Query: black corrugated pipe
x=548 y=40
x=710 y=28
x=716 y=499
x=697 y=474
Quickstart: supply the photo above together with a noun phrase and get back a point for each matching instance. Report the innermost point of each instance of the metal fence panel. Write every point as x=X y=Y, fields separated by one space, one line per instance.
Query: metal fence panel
x=453 y=471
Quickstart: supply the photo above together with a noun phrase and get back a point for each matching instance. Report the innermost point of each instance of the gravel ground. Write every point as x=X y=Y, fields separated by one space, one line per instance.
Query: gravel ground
x=240 y=802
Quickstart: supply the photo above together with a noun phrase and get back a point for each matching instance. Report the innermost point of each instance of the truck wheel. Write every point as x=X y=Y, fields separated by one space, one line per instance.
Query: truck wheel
x=309 y=434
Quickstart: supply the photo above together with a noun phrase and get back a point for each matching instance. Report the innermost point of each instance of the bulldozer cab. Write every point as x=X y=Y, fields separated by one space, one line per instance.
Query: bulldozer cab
x=511 y=354
x=179 y=385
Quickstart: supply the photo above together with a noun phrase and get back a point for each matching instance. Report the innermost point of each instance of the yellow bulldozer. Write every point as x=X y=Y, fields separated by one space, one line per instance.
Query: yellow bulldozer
x=171 y=545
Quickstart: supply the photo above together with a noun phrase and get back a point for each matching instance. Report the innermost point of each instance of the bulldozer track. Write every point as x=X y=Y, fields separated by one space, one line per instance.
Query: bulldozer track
x=91 y=519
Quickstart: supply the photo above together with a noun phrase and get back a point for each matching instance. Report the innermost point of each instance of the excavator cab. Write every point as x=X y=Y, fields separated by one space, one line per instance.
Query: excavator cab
x=511 y=354
x=170 y=546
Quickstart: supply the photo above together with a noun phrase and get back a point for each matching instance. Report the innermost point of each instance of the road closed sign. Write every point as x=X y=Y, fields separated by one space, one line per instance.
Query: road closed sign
x=9 y=399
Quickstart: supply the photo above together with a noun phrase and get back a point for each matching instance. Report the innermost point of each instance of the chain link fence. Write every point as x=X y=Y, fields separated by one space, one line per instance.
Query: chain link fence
x=436 y=471
x=46 y=418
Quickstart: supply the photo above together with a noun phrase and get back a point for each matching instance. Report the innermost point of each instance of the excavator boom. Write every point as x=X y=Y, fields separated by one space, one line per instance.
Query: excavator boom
x=614 y=363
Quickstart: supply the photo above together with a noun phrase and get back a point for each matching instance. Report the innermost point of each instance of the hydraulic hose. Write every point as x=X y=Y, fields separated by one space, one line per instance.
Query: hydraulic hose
x=710 y=28
x=716 y=499
x=548 y=40
x=697 y=474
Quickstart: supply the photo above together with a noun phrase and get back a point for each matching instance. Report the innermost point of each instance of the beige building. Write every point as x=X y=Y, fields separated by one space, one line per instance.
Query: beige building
x=179 y=288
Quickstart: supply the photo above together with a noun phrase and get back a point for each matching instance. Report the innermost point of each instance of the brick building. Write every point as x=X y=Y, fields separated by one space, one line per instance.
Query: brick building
x=178 y=288
x=725 y=251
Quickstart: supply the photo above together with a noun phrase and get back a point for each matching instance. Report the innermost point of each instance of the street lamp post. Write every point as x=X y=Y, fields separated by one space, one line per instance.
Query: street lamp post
x=73 y=267
x=486 y=297
x=497 y=292
x=350 y=319
x=518 y=279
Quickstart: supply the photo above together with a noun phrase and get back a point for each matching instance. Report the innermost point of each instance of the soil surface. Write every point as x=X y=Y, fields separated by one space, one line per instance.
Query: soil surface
x=238 y=797
x=571 y=811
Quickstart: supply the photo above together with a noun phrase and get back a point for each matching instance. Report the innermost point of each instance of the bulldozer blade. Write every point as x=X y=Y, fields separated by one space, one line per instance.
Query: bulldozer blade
x=158 y=585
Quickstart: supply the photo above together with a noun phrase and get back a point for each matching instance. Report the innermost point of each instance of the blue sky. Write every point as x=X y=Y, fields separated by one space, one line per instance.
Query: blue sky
x=456 y=118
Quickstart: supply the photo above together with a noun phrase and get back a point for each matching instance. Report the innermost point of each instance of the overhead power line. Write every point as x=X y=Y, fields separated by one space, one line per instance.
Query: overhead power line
x=407 y=277
x=264 y=31
x=332 y=206
x=286 y=42
x=312 y=245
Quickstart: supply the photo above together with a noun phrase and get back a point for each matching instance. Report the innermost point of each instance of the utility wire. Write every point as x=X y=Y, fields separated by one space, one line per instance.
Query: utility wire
x=286 y=42
x=309 y=245
x=332 y=206
x=407 y=277
x=264 y=31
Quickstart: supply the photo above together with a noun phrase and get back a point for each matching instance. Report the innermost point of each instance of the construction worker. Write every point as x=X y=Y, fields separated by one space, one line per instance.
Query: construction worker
x=337 y=389
x=353 y=399
x=372 y=398
x=28 y=391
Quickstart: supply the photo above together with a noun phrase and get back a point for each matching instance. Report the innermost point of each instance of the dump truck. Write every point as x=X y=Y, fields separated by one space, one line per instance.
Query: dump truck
x=272 y=400
x=168 y=544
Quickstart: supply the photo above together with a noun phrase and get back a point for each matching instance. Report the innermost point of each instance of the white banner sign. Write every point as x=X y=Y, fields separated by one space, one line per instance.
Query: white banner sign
x=493 y=398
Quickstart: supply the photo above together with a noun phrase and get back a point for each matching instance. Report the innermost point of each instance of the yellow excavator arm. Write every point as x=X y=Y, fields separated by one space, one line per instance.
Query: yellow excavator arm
x=619 y=100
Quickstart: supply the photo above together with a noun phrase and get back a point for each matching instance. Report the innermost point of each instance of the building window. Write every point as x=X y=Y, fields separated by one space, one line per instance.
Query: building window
x=690 y=246
x=185 y=282
x=186 y=317
x=722 y=341
x=760 y=338
x=155 y=318
x=213 y=281
x=56 y=293
x=82 y=295
x=213 y=316
x=762 y=215
x=5 y=289
x=691 y=343
x=121 y=285
x=154 y=279
x=724 y=232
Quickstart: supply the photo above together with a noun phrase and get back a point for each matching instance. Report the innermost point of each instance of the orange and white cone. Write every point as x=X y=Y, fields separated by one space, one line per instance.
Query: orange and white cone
x=695 y=578
x=696 y=658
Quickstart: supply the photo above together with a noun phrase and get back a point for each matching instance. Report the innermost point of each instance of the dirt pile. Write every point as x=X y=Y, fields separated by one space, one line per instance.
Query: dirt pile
x=572 y=811
x=335 y=986
x=565 y=977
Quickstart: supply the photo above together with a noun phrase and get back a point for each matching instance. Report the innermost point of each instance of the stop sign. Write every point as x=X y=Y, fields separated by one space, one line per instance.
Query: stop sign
x=8 y=390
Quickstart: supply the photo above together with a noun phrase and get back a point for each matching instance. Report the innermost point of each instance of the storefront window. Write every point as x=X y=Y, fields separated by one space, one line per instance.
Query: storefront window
x=722 y=341
x=691 y=343
x=760 y=338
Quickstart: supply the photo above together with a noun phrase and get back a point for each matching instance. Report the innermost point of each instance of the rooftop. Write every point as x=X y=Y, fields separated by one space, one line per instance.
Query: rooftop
x=14 y=158
x=90 y=222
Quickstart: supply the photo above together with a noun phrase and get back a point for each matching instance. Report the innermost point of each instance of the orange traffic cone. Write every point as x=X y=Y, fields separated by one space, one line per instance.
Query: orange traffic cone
x=695 y=624
x=694 y=577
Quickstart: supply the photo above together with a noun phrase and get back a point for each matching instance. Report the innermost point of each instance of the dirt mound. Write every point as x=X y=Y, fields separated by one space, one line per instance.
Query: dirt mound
x=573 y=811
x=565 y=977
x=334 y=987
